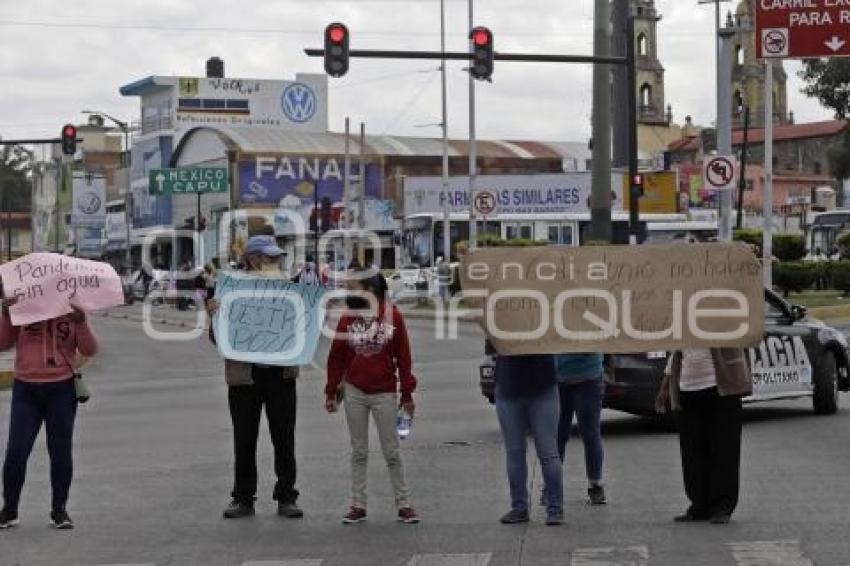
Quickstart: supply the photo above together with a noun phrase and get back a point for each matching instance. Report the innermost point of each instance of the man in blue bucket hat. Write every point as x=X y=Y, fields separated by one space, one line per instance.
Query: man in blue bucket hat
x=250 y=387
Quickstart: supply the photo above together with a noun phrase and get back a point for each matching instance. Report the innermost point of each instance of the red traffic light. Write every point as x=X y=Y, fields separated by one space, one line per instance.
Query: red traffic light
x=637 y=180
x=337 y=33
x=481 y=36
x=69 y=131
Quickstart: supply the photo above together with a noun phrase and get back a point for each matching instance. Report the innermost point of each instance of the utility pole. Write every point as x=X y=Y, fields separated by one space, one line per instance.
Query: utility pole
x=361 y=203
x=724 y=125
x=631 y=89
x=622 y=89
x=473 y=146
x=447 y=244
x=600 y=201
x=346 y=188
x=742 y=182
x=767 y=196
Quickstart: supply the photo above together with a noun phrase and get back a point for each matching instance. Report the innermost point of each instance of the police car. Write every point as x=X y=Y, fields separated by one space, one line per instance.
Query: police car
x=798 y=357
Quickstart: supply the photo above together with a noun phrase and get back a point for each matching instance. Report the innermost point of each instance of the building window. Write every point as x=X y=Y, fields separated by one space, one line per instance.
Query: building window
x=818 y=167
x=739 y=55
x=642 y=45
x=646 y=95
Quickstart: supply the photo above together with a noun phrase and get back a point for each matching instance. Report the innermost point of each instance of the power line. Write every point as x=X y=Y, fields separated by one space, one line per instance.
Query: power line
x=246 y=30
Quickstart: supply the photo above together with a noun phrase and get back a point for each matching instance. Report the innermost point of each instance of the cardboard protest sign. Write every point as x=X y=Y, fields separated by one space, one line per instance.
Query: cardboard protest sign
x=616 y=299
x=47 y=285
x=267 y=320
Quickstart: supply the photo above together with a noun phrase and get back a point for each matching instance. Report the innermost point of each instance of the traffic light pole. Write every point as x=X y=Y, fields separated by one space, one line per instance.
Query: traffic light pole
x=634 y=197
x=464 y=56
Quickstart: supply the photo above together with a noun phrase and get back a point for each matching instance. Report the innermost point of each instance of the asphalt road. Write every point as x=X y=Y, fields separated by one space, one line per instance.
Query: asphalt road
x=153 y=464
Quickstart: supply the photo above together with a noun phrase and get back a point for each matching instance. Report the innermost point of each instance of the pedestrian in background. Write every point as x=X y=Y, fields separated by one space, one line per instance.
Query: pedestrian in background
x=46 y=358
x=250 y=388
x=527 y=400
x=369 y=361
x=581 y=388
x=704 y=388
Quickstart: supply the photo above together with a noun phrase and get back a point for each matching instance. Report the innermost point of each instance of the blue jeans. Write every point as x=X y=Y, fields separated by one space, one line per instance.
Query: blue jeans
x=539 y=414
x=583 y=399
x=54 y=404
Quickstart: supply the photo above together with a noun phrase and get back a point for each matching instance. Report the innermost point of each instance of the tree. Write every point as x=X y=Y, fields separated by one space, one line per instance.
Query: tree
x=15 y=178
x=828 y=80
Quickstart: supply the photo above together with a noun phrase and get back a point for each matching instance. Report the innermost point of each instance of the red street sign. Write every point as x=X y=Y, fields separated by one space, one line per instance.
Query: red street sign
x=797 y=29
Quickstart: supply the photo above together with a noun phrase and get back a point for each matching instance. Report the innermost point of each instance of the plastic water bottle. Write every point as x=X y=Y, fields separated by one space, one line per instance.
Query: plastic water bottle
x=403 y=422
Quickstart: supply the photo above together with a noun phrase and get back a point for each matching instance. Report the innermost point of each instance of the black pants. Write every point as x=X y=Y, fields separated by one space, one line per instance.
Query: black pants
x=710 y=442
x=246 y=406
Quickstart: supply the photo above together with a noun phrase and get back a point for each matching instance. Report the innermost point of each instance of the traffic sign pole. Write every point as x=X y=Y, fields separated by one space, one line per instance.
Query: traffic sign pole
x=724 y=126
x=767 y=226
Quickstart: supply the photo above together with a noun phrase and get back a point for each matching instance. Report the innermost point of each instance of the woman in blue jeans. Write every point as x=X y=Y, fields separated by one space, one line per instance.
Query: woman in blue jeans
x=527 y=399
x=581 y=388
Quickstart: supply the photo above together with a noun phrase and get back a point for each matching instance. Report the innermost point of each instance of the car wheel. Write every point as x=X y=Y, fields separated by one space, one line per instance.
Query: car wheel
x=825 y=400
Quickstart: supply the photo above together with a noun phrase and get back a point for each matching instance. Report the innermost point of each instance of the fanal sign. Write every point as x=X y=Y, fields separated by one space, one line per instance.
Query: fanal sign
x=796 y=29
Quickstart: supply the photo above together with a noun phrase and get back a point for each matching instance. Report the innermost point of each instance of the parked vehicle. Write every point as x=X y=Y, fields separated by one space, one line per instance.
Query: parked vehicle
x=798 y=357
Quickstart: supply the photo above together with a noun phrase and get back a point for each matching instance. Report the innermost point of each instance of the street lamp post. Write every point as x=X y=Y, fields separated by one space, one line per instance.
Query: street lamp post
x=125 y=162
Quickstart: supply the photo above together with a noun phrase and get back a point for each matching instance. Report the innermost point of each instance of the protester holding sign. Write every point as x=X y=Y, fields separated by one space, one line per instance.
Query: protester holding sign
x=44 y=392
x=527 y=400
x=369 y=362
x=705 y=388
x=252 y=386
x=581 y=389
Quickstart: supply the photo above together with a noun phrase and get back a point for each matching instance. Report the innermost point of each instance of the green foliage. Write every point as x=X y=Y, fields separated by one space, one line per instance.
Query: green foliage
x=795 y=276
x=843 y=243
x=15 y=168
x=789 y=247
x=493 y=241
x=839 y=274
x=827 y=80
x=839 y=158
x=749 y=236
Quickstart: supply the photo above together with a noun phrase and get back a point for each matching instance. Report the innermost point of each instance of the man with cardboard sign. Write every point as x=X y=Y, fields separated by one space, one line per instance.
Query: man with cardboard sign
x=616 y=299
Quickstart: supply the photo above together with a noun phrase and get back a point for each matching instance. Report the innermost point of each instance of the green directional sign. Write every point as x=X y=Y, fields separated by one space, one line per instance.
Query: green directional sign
x=188 y=180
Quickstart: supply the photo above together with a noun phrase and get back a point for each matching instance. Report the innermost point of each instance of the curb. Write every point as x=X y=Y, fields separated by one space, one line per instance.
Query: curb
x=412 y=315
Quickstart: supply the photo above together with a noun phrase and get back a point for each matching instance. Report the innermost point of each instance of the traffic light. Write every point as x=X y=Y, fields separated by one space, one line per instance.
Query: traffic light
x=637 y=185
x=336 y=49
x=482 y=53
x=69 y=139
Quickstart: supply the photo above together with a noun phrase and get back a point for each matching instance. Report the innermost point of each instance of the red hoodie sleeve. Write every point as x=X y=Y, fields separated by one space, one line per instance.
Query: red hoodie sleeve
x=403 y=360
x=339 y=358
x=8 y=333
x=86 y=342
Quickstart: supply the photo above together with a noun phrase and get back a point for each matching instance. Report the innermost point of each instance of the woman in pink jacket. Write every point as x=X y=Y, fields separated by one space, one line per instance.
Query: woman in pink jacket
x=43 y=392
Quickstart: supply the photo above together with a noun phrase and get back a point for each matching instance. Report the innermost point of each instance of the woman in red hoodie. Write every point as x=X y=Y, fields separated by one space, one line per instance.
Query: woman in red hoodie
x=370 y=360
x=43 y=392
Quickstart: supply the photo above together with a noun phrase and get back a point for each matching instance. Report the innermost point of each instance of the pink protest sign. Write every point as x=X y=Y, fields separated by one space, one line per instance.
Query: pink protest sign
x=48 y=285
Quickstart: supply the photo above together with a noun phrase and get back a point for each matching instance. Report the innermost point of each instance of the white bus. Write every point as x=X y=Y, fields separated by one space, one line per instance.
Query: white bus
x=422 y=234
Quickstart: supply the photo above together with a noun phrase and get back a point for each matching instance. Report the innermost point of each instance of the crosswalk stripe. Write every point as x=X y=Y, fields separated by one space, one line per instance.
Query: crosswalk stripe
x=769 y=553
x=450 y=559
x=291 y=562
x=611 y=556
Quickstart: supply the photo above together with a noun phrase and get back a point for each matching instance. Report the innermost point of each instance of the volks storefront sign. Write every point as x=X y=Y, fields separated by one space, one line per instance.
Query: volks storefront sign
x=300 y=104
x=557 y=193
x=291 y=181
x=89 y=200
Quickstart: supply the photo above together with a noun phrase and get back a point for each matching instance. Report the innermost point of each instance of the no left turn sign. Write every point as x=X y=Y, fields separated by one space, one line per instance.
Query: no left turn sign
x=720 y=172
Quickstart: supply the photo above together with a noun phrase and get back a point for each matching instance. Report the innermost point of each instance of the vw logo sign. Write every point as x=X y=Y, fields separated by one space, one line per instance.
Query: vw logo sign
x=89 y=203
x=298 y=102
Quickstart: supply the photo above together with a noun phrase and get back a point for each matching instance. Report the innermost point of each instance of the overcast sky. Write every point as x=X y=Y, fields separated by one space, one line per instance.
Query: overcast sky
x=61 y=57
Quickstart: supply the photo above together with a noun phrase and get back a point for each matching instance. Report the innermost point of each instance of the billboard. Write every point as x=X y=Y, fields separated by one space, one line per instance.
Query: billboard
x=293 y=181
x=88 y=205
x=661 y=193
x=301 y=104
x=556 y=193
x=149 y=210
